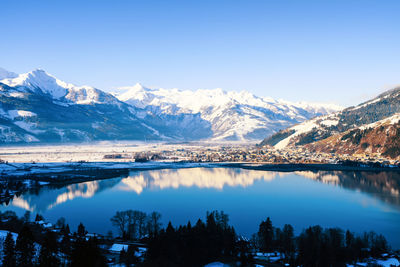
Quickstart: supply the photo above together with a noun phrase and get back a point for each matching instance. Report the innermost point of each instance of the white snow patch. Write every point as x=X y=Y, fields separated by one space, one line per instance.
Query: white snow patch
x=216 y=264
x=118 y=247
x=299 y=129
x=389 y=262
x=330 y=122
x=17 y=94
x=12 y=114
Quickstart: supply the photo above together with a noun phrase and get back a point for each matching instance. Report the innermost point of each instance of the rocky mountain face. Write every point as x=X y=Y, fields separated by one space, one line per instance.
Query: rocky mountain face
x=37 y=107
x=371 y=127
x=219 y=115
x=381 y=137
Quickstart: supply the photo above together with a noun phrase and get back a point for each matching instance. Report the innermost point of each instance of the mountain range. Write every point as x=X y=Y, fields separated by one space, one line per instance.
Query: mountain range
x=38 y=107
x=372 y=127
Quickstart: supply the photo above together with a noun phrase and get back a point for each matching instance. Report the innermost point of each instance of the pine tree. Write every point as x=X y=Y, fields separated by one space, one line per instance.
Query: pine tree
x=25 y=248
x=39 y=218
x=266 y=235
x=66 y=230
x=9 y=251
x=81 y=230
x=288 y=245
x=65 y=246
x=48 y=252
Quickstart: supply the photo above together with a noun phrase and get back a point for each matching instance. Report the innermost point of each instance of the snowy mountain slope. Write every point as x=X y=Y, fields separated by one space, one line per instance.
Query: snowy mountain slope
x=230 y=115
x=36 y=106
x=41 y=82
x=381 y=137
x=375 y=110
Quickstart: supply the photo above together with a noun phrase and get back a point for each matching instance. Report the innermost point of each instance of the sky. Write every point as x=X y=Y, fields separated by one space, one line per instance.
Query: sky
x=342 y=52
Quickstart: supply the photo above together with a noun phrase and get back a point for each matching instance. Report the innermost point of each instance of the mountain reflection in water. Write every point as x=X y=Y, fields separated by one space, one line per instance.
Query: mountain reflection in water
x=49 y=197
x=381 y=185
x=216 y=178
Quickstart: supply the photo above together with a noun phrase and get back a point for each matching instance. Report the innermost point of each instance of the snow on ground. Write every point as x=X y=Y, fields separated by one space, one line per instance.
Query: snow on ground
x=389 y=120
x=17 y=94
x=216 y=264
x=3 y=235
x=12 y=114
x=20 y=169
x=299 y=128
x=380 y=262
x=94 y=152
x=329 y=122
x=118 y=247
x=389 y=262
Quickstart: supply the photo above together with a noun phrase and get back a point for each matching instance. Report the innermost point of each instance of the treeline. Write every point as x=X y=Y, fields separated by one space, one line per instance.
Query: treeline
x=216 y=240
x=196 y=245
x=316 y=246
x=213 y=239
x=37 y=246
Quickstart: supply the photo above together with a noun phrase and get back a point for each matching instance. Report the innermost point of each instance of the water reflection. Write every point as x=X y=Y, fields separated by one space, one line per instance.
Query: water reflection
x=216 y=178
x=381 y=185
x=48 y=198
x=384 y=186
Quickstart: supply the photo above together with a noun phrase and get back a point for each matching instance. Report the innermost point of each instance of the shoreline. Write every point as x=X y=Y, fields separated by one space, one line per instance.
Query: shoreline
x=71 y=172
x=293 y=167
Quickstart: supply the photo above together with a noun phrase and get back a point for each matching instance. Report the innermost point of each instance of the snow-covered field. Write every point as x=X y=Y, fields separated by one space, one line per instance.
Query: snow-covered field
x=94 y=152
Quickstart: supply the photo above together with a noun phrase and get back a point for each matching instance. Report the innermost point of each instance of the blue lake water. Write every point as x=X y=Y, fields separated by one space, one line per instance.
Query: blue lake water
x=359 y=201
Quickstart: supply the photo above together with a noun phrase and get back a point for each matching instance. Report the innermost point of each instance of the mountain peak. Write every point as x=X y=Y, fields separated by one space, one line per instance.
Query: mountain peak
x=40 y=79
x=138 y=86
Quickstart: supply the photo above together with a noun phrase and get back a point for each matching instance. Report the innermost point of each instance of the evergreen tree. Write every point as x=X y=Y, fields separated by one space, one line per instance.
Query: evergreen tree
x=87 y=253
x=60 y=223
x=65 y=246
x=9 y=251
x=39 y=218
x=66 y=230
x=266 y=235
x=27 y=216
x=288 y=245
x=48 y=253
x=25 y=248
x=81 y=230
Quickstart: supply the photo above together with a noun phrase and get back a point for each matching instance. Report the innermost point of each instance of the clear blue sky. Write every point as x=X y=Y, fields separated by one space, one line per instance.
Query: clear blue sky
x=331 y=51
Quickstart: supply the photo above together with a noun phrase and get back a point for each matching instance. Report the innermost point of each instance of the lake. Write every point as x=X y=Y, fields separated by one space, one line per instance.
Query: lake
x=359 y=201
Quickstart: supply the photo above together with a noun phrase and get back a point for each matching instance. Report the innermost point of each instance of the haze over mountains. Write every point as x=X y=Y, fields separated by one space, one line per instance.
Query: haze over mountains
x=37 y=107
x=370 y=127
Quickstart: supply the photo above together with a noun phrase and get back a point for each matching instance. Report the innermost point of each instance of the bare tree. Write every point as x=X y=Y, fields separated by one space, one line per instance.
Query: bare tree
x=154 y=223
x=120 y=221
x=142 y=224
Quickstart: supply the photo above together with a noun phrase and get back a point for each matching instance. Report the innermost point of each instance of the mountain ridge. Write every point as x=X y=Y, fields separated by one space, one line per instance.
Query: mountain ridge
x=233 y=115
x=38 y=107
x=370 y=127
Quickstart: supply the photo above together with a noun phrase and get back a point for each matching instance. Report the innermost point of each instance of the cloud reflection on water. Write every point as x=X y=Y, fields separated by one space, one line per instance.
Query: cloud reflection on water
x=383 y=186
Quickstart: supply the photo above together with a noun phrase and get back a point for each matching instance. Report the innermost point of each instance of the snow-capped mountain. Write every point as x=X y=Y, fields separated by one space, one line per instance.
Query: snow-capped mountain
x=36 y=106
x=41 y=82
x=224 y=115
x=372 y=127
